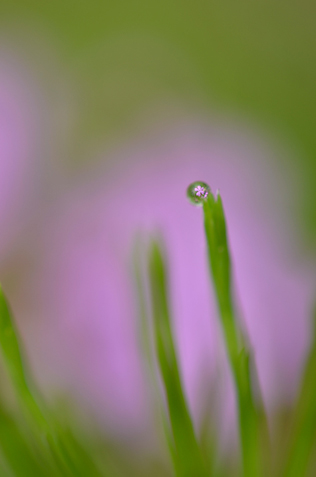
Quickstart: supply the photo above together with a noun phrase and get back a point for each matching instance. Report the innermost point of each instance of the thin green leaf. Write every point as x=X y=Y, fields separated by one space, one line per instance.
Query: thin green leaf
x=146 y=342
x=236 y=346
x=188 y=459
x=51 y=443
x=17 y=450
x=303 y=435
x=11 y=351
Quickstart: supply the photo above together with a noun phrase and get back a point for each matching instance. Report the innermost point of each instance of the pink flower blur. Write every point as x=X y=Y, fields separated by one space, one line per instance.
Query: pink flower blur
x=85 y=299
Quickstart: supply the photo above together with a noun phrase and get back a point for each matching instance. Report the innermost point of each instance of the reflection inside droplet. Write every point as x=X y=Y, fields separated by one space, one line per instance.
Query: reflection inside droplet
x=197 y=192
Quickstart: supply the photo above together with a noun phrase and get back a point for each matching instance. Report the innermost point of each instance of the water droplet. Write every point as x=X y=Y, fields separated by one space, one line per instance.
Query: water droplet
x=197 y=192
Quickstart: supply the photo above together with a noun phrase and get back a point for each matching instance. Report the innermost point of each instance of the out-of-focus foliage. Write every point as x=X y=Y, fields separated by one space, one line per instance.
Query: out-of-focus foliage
x=187 y=455
x=255 y=59
x=35 y=442
x=110 y=64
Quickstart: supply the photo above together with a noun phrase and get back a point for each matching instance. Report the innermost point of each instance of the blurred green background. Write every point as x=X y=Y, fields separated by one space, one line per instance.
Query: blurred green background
x=120 y=59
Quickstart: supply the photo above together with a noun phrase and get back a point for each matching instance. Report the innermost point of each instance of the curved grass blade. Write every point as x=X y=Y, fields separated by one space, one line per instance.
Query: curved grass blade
x=17 y=450
x=53 y=443
x=75 y=454
x=188 y=457
x=303 y=435
x=11 y=351
x=146 y=338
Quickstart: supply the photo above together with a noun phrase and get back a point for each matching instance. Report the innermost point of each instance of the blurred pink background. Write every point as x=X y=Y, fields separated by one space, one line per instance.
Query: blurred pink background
x=66 y=237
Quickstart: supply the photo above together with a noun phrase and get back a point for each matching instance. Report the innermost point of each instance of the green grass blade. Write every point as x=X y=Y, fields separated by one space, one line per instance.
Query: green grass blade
x=146 y=342
x=53 y=445
x=303 y=435
x=75 y=454
x=188 y=457
x=11 y=351
x=17 y=450
x=237 y=350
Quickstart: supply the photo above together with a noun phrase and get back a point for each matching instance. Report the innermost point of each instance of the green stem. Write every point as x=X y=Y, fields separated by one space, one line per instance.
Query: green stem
x=303 y=436
x=188 y=457
x=236 y=347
